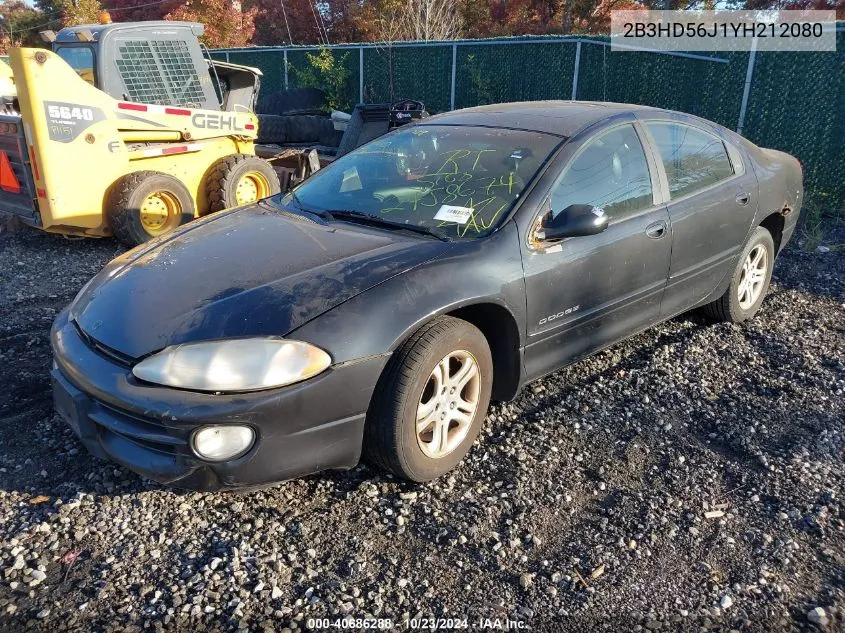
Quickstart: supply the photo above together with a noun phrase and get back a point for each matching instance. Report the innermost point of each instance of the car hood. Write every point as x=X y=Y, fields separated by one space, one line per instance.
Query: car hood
x=251 y=272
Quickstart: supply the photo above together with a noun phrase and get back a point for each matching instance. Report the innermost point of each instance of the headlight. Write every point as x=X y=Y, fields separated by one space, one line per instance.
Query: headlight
x=217 y=443
x=247 y=364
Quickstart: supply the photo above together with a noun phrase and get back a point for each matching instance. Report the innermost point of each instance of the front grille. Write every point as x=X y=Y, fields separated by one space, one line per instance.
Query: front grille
x=96 y=421
x=145 y=432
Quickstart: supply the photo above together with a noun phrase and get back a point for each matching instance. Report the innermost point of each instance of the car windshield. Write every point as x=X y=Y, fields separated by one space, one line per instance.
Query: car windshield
x=451 y=181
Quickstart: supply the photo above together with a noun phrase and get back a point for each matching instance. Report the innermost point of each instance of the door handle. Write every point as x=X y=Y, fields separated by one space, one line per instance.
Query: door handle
x=656 y=231
x=743 y=198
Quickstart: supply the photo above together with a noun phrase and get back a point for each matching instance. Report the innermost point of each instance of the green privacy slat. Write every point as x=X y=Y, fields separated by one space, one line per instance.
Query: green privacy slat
x=422 y=73
x=708 y=89
x=796 y=102
x=527 y=72
x=271 y=64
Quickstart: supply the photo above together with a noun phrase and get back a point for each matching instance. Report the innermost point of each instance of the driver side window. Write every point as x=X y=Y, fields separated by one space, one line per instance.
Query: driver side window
x=610 y=172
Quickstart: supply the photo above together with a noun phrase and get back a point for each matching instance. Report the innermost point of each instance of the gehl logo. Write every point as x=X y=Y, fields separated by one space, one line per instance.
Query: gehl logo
x=560 y=314
x=216 y=122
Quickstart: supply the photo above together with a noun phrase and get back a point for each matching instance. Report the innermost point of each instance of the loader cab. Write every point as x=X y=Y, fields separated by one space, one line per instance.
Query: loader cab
x=158 y=62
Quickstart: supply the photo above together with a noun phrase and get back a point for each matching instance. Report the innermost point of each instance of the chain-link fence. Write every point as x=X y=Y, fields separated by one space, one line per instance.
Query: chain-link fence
x=786 y=100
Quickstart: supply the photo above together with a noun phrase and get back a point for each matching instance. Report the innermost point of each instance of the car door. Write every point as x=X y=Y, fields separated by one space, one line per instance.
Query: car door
x=586 y=292
x=712 y=202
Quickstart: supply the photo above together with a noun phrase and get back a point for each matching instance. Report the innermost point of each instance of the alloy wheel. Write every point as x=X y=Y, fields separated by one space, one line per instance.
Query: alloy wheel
x=752 y=278
x=448 y=404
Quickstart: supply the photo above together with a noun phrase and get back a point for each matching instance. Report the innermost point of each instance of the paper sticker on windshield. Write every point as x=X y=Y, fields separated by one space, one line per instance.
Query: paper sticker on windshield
x=449 y=213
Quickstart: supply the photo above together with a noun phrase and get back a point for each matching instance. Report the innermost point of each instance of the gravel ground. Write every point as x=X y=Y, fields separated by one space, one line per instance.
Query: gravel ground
x=690 y=478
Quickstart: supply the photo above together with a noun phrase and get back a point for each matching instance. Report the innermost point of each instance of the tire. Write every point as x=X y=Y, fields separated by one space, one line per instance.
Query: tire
x=731 y=307
x=255 y=177
x=303 y=128
x=293 y=128
x=154 y=192
x=293 y=101
x=272 y=129
x=407 y=386
x=330 y=138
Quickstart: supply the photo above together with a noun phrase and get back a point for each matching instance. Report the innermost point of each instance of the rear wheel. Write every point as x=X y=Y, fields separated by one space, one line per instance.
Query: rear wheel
x=145 y=204
x=749 y=283
x=431 y=401
x=240 y=179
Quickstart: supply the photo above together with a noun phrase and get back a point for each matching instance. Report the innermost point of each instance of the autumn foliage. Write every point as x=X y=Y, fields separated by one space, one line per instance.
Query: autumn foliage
x=230 y=23
x=226 y=23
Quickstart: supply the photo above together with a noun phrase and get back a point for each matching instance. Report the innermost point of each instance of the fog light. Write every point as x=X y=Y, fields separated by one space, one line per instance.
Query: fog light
x=216 y=443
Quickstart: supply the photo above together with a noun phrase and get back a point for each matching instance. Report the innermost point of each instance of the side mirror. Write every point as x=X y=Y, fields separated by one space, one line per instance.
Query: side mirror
x=574 y=221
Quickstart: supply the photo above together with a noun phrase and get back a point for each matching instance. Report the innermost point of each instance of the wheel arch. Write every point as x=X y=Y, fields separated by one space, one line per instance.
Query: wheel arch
x=775 y=223
x=499 y=327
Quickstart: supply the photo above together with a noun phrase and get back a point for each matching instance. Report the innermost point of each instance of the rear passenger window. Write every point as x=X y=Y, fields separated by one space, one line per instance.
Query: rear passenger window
x=693 y=159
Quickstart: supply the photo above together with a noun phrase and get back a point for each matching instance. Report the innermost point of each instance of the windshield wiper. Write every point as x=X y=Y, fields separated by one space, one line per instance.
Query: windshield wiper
x=366 y=218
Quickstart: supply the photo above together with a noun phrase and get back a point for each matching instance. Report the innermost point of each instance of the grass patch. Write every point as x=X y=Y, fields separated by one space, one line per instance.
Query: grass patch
x=817 y=224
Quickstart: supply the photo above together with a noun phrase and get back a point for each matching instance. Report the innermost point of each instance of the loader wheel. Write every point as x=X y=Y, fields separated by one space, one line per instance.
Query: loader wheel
x=240 y=179
x=145 y=204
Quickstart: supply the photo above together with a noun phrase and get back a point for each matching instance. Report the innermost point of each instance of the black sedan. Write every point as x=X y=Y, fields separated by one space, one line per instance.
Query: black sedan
x=379 y=307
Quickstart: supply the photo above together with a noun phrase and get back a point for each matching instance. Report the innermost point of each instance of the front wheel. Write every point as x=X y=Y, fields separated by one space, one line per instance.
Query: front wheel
x=431 y=401
x=749 y=283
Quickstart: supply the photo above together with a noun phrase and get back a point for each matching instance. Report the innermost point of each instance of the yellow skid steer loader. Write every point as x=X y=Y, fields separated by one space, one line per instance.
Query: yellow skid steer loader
x=126 y=129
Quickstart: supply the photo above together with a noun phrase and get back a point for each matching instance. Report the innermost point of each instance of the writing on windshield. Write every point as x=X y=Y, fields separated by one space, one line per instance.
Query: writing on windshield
x=459 y=181
x=462 y=179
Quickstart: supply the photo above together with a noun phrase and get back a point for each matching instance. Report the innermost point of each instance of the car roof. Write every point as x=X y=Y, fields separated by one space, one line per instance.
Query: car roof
x=564 y=118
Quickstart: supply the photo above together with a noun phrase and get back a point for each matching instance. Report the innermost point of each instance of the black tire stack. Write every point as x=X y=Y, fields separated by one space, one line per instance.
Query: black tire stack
x=293 y=101
x=296 y=117
x=297 y=129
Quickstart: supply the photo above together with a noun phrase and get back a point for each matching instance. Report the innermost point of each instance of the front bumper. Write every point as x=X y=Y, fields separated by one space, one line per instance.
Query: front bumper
x=300 y=429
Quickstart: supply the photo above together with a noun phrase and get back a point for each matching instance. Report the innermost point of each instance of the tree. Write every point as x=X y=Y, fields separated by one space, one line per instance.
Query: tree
x=227 y=24
x=19 y=23
x=288 y=22
x=329 y=73
x=76 y=12
x=380 y=20
x=430 y=20
x=140 y=10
